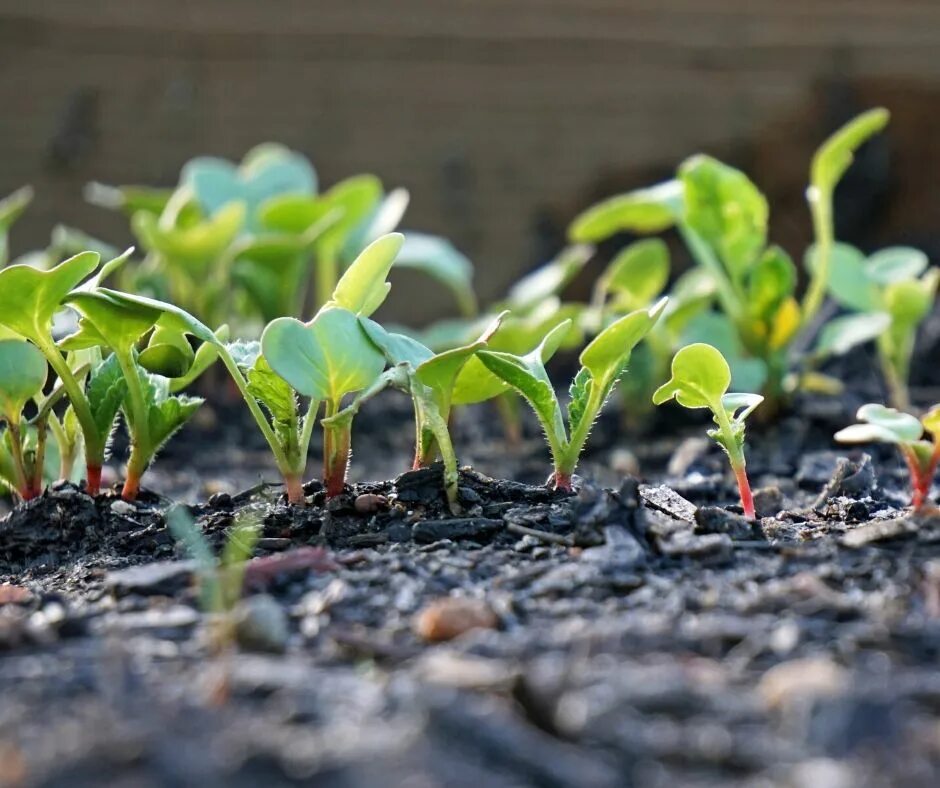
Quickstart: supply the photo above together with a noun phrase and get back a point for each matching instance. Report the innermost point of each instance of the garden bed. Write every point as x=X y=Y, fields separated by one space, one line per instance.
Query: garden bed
x=640 y=634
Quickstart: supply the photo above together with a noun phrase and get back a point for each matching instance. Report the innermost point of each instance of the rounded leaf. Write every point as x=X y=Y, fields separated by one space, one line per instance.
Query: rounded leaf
x=22 y=375
x=903 y=426
x=638 y=273
x=644 y=211
x=896 y=264
x=700 y=378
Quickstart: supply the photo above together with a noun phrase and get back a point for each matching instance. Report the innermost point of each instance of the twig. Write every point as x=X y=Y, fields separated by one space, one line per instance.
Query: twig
x=545 y=536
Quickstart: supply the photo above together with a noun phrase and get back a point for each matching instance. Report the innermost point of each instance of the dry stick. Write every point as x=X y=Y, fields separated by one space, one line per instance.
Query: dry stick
x=545 y=536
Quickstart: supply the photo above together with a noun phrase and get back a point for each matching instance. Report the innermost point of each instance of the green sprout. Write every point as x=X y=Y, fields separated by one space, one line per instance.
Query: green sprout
x=700 y=379
x=429 y=379
x=23 y=372
x=603 y=362
x=722 y=217
x=11 y=208
x=888 y=294
x=887 y=425
x=330 y=357
x=221 y=580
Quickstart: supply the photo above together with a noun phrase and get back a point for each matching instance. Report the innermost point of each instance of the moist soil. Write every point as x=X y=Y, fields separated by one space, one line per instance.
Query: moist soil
x=639 y=631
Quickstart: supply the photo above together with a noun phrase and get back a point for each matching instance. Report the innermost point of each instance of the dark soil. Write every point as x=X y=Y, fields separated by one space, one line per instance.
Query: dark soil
x=630 y=634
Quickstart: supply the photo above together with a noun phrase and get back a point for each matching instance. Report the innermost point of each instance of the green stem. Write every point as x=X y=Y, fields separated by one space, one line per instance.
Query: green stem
x=895 y=368
x=19 y=464
x=820 y=205
x=727 y=296
x=336 y=446
x=141 y=445
x=507 y=405
x=94 y=443
x=40 y=459
x=432 y=420
x=66 y=447
x=567 y=459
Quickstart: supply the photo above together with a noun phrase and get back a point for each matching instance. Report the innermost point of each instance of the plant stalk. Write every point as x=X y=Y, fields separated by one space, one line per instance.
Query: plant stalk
x=138 y=425
x=820 y=206
x=336 y=447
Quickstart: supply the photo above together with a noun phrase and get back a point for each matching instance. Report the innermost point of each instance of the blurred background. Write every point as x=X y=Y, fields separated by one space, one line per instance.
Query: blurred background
x=504 y=118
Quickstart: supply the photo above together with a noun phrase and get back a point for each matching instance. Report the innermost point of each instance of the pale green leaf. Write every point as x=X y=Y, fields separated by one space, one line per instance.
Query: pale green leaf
x=643 y=212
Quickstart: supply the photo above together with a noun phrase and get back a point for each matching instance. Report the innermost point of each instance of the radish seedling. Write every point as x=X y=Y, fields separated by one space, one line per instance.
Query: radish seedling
x=429 y=380
x=700 y=379
x=887 y=425
x=330 y=357
x=602 y=363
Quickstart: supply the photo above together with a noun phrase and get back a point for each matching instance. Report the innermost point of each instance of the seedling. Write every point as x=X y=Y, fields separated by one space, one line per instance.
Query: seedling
x=28 y=301
x=891 y=293
x=23 y=372
x=603 y=361
x=11 y=208
x=723 y=219
x=887 y=425
x=700 y=379
x=429 y=379
x=330 y=357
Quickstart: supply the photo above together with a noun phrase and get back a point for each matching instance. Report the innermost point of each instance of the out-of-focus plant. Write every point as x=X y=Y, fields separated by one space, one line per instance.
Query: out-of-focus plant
x=242 y=242
x=11 y=208
x=700 y=379
x=23 y=372
x=887 y=425
x=723 y=219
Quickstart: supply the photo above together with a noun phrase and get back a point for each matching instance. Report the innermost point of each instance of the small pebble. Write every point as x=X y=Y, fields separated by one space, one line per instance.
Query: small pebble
x=370 y=503
x=448 y=618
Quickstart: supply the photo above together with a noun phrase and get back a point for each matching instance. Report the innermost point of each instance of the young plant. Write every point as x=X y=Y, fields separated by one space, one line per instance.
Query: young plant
x=890 y=293
x=603 y=361
x=330 y=357
x=723 y=219
x=23 y=372
x=429 y=379
x=11 y=208
x=29 y=299
x=887 y=425
x=700 y=379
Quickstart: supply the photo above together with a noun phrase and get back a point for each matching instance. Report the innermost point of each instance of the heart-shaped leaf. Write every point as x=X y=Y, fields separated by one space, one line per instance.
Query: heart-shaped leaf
x=23 y=373
x=700 y=378
x=643 y=212
x=324 y=359
x=29 y=298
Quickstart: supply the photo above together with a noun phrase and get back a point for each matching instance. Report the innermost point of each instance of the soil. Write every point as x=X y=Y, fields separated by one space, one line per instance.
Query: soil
x=638 y=632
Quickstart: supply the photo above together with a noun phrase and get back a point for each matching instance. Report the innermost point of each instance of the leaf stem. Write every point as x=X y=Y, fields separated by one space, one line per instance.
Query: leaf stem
x=820 y=206
x=326 y=277
x=138 y=424
x=336 y=446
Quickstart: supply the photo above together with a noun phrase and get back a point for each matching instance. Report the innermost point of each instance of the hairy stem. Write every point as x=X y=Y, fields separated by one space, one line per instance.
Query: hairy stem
x=94 y=443
x=295 y=489
x=744 y=488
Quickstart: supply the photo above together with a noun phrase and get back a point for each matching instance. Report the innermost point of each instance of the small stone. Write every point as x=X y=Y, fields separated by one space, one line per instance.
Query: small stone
x=275 y=543
x=370 y=503
x=475 y=529
x=466 y=672
x=715 y=520
x=768 y=501
x=13 y=595
x=261 y=624
x=801 y=680
x=664 y=499
x=450 y=617
x=123 y=508
x=714 y=548
x=624 y=462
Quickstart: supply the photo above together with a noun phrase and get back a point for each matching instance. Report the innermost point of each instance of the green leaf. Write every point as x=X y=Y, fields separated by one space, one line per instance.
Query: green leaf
x=740 y=406
x=726 y=210
x=119 y=323
x=11 y=208
x=106 y=391
x=637 y=274
x=548 y=280
x=441 y=260
x=324 y=359
x=881 y=425
x=608 y=353
x=355 y=198
x=841 y=334
x=29 y=298
x=206 y=356
x=440 y=372
x=579 y=393
x=165 y=413
x=772 y=280
x=170 y=316
x=397 y=348
x=896 y=264
x=643 y=212
x=267 y=171
x=168 y=353
x=712 y=328
x=129 y=199
x=383 y=218
x=23 y=373
x=197 y=247
x=909 y=302
x=272 y=391
x=362 y=288
x=476 y=383
x=848 y=284
x=700 y=378
x=836 y=154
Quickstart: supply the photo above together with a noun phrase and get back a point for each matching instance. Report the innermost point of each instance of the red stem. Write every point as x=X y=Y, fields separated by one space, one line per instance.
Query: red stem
x=335 y=460
x=93 y=483
x=744 y=487
x=295 y=490
x=921 y=478
x=560 y=481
